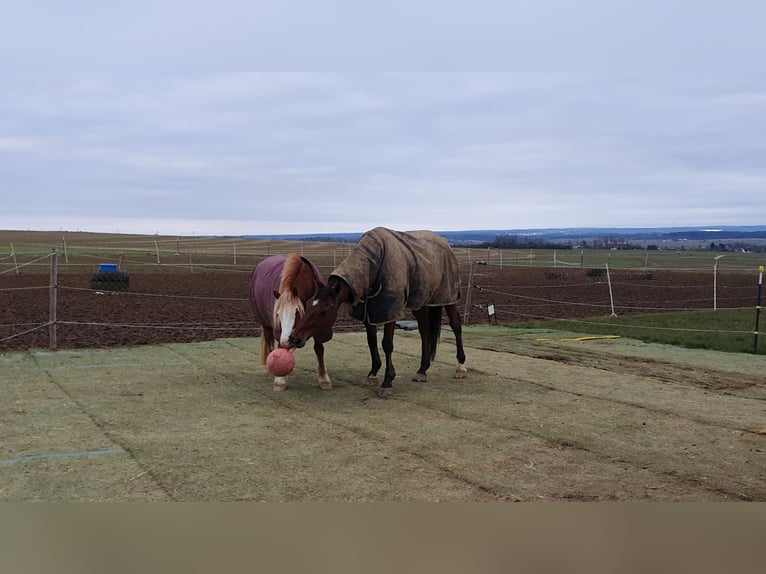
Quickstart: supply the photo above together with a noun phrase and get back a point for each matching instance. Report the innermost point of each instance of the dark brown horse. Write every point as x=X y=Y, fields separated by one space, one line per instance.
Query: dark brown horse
x=385 y=274
x=279 y=288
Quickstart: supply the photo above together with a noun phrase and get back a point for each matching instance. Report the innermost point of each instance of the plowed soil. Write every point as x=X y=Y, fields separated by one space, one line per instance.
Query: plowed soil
x=188 y=307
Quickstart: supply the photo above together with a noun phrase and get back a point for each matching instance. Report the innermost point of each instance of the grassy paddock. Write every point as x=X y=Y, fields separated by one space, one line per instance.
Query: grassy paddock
x=541 y=416
x=729 y=330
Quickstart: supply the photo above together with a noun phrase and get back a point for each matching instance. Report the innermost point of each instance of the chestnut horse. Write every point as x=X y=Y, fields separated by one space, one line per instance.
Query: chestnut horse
x=279 y=288
x=386 y=273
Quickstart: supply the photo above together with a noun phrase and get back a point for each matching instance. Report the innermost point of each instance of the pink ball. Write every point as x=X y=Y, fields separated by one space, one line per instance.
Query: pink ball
x=280 y=362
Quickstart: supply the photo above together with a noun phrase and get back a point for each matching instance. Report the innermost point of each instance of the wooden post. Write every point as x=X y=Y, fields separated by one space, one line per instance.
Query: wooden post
x=157 y=249
x=758 y=310
x=52 y=301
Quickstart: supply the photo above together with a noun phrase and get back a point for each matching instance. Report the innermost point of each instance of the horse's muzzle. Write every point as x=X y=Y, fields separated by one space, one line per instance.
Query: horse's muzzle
x=296 y=342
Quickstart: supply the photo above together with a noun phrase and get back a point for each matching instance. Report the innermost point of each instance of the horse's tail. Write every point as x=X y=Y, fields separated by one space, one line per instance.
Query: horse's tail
x=434 y=329
x=267 y=345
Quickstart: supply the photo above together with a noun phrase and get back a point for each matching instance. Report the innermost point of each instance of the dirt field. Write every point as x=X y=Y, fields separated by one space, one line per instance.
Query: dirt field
x=188 y=307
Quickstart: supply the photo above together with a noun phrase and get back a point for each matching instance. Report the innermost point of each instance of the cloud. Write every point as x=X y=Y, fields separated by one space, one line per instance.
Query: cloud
x=617 y=114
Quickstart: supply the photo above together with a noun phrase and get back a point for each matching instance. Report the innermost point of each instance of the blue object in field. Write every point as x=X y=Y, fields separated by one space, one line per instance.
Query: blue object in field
x=108 y=267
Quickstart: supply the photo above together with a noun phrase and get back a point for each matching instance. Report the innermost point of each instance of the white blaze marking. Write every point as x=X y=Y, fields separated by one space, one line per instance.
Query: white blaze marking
x=287 y=320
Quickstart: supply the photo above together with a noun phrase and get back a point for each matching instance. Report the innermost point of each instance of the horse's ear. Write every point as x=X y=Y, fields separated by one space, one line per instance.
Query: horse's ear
x=334 y=286
x=276 y=294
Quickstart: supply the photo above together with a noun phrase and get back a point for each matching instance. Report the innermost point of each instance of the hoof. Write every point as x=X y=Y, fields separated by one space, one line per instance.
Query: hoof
x=461 y=372
x=325 y=385
x=280 y=384
x=420 y=378
x=385 y=392
x=373 y=381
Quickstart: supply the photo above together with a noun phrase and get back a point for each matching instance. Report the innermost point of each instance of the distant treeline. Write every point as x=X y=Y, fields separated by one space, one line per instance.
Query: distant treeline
x=712 y=235
x=723 y=239
x=510 y=241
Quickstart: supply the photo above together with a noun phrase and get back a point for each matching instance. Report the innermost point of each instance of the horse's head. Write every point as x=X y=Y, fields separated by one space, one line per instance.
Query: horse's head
x=320 y=314
x=287 y=308
x=299 y=282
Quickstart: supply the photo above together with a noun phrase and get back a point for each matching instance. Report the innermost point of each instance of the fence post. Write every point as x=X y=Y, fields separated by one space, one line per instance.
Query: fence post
x=15 y=263
x=758 y=311
x=468 y=295
x=715 y=282
x=609 y=282
x=52 y=301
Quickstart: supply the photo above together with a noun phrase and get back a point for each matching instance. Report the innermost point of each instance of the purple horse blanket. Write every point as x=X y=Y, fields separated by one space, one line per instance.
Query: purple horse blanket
x=392 y=271
x=265 y=279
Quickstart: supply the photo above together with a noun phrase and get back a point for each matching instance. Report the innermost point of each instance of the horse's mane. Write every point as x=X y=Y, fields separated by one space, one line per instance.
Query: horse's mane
x=287 y=298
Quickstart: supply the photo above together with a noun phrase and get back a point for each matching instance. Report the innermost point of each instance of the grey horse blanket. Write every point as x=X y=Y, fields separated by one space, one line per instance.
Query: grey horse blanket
x=392 y=271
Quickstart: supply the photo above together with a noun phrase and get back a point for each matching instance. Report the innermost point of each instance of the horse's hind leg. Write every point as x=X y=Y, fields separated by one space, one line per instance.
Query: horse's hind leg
x=372 y=343
x=454 y=322
x=388 y=349
x=425 y=351
x=322 y=375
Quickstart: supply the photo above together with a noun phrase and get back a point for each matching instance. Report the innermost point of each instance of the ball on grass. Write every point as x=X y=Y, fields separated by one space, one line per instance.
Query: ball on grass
x=280 y=362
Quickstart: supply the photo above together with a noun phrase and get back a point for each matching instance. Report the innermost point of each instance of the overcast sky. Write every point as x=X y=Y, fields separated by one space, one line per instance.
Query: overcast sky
x=174 y=117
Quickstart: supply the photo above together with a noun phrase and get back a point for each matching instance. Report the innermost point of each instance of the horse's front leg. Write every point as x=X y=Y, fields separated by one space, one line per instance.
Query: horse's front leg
x=280 y=383
x=388 y=349
x=267 y=345
x=455 y=324
x=372 y=343
x=322 y=375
